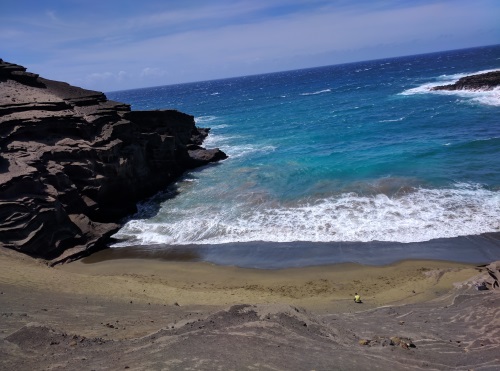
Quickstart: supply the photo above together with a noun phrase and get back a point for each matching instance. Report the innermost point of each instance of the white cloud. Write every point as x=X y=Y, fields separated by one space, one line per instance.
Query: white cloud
x=52 y=15
x=152 y=72
x=221 y=40
x=97 y=78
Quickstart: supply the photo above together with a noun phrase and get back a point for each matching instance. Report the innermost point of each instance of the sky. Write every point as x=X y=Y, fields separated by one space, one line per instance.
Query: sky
x=110 y=45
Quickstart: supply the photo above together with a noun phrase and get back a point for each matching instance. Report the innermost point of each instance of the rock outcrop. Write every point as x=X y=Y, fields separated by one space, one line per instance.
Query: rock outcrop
x=73 y=163
x=483 y=81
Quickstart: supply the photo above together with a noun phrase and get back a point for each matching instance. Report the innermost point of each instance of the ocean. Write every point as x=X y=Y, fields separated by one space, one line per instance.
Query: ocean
x=339 y=163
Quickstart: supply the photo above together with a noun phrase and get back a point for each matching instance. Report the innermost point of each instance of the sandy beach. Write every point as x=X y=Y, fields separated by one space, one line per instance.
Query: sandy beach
x=322 y=289
x=125 y=300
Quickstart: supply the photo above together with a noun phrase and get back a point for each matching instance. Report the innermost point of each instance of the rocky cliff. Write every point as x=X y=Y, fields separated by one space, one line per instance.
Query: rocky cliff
x=73 y=163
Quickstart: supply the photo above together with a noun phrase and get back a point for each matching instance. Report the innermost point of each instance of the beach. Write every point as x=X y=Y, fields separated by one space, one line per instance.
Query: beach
x=323 y=289
x=126 y=300
x=343 y=180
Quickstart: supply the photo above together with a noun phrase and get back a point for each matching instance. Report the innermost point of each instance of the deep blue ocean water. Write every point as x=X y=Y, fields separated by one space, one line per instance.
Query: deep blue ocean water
x=355 y=152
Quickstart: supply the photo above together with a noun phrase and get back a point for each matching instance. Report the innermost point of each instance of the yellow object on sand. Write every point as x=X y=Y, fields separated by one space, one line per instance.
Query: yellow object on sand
x=357 y=298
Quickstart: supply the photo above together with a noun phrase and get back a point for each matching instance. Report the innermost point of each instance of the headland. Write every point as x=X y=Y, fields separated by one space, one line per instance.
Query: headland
x=73 y=163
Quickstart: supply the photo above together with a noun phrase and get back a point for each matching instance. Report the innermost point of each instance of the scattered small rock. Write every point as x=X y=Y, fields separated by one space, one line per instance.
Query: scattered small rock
x=404 y=343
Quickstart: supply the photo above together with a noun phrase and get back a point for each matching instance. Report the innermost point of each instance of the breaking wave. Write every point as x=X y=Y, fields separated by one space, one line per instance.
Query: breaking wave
x=487 y=97
x=421 y=215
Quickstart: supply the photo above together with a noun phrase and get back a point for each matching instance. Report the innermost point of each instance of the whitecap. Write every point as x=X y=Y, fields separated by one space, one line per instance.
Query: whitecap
x=218 y=140
x=203 y=119
x=317 y=92
x=225 y=143
x=244 y=150
x=393 y=120
x=221 y=126
x=455 y=77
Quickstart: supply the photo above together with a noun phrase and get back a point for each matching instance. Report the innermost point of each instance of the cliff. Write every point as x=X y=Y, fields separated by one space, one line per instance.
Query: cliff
x=73 y=164
x=482 y=81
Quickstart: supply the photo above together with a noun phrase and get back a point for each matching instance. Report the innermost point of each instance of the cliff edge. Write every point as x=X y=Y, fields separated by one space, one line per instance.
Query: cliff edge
x=73 y=163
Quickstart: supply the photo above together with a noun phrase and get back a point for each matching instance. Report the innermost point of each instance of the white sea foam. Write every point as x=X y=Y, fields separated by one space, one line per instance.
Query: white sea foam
x=417 y=216
x=487 y=97
x=393 y=120
x=244 y=150
x=225 y=143
x=318 y=92
x=217 y=140
x=455 y=77
x=221 y=126
x=203 y=119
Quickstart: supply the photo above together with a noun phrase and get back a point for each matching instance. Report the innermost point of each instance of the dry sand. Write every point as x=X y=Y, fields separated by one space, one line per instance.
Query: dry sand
x=130 y=299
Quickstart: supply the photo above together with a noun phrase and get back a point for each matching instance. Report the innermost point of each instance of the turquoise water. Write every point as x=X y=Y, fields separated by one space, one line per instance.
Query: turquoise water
x=355 y=152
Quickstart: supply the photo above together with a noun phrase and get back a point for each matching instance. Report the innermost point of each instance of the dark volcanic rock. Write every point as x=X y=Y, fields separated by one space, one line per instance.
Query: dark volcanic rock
x=483 y=81
x=73 y=163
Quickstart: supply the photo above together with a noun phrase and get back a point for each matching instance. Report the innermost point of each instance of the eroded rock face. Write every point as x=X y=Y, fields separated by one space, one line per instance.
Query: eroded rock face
x=73 y=163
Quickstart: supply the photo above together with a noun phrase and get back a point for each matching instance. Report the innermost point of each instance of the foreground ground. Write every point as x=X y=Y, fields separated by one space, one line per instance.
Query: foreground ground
x=145 y=314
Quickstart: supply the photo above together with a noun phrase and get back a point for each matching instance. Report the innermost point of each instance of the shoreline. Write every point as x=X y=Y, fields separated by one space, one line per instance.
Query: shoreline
x=476 y=249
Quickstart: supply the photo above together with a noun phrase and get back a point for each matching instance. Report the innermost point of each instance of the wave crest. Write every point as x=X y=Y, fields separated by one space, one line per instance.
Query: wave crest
x=318 y=92
x=417 y=216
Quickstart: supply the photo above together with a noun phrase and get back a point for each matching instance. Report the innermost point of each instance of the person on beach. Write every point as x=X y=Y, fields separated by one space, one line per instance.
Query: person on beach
x=357 y=298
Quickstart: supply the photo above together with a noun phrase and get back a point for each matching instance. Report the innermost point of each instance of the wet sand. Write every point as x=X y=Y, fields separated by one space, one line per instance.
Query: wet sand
x=477 y=249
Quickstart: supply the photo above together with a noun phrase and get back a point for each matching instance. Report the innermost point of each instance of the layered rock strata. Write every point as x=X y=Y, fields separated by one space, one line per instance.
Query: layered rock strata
x=73 y=163
x=482 y=81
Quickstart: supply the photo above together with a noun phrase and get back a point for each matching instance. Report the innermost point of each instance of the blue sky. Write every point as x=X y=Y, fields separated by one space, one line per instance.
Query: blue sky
x=120 y=44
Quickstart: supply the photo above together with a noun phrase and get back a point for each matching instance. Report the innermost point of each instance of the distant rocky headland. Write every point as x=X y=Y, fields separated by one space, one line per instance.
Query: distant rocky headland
x=73 y=163
x=483 y=81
